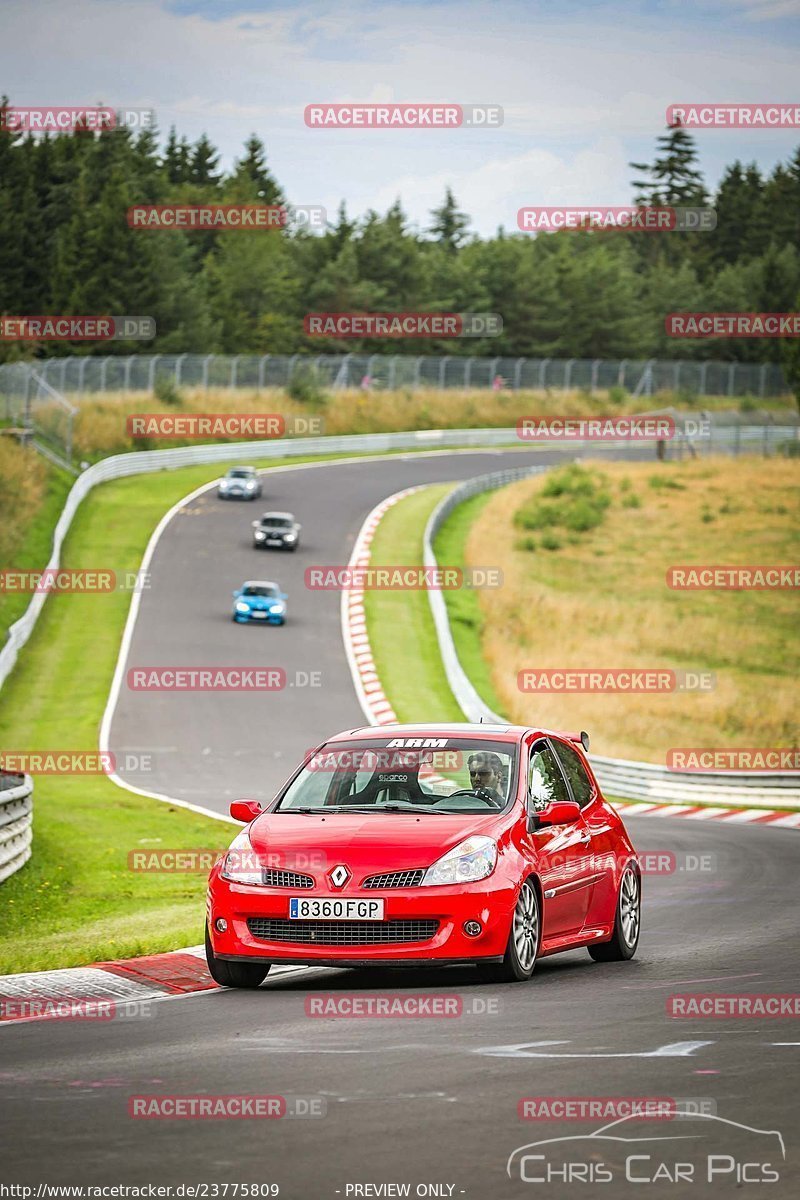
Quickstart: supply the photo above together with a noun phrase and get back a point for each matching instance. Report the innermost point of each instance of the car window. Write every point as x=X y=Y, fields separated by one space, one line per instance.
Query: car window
x=257 y=590
x=545 y=781
x=575 y=771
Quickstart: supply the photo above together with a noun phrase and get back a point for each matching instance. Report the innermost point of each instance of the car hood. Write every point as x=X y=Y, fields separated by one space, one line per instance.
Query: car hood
x=261 y=601
x=364 y=842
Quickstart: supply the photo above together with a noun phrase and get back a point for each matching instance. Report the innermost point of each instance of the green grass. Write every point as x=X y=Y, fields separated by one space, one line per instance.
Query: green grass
x=401 y=629
x=463 y=608
x=76 y=901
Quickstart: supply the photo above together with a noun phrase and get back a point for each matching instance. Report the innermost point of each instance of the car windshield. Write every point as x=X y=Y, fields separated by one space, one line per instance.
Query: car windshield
x=433 y=775
x=259 y=589
x=241 y=474
x=281 y=522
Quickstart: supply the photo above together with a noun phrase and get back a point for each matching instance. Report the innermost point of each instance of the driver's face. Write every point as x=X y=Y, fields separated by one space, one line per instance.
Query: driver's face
x=485 y=777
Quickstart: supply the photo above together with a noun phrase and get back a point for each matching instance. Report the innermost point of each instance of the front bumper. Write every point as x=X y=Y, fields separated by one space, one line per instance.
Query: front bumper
x=269 y=619
x=491 y=902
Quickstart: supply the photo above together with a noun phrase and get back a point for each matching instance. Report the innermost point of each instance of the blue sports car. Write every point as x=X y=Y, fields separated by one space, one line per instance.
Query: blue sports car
x=258 y=600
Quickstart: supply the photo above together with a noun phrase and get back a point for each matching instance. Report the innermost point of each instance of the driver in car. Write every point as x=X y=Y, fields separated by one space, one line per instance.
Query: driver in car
x=486 y=776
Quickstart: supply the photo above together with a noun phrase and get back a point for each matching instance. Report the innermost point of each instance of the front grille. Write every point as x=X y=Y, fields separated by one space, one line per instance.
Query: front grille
x=287 y=879
x=341 y=933
x=395 y=879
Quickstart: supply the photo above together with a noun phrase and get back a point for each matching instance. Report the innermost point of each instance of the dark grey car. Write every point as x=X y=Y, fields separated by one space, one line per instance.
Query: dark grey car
x=276 y=531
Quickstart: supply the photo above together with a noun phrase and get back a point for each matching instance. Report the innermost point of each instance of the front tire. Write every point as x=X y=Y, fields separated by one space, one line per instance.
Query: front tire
x=524 y=940
x=234 y=974
x=627 y=923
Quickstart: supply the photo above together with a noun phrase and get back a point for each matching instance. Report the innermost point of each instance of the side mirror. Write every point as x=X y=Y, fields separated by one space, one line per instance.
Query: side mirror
x=284 y=595
x=247 y=810
x=238 y=592
x=255 y=524
x=560 y=812
x=299 y=526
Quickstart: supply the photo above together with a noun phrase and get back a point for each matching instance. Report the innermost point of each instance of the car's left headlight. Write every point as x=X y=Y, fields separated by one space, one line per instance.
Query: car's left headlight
x=260 y=536
x=467 y=862
x=242 y=607
x=251 y=483
x=240 y=864
x=277 y=608
x=290 y=537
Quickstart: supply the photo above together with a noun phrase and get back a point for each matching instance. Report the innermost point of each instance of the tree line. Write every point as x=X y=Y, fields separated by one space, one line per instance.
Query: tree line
x=66 y=248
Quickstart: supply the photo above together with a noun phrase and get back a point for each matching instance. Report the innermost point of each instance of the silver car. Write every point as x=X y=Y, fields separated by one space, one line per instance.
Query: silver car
x=240 y=483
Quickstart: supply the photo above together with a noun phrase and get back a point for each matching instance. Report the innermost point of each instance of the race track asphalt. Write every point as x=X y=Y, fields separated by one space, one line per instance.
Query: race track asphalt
x=420 y=1101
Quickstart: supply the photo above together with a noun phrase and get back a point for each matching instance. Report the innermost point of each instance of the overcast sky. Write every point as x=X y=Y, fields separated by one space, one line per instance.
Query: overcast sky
x=584 y=86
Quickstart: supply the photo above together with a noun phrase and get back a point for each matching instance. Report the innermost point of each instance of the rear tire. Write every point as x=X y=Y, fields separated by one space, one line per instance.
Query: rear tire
x=524 y=940
x=234 y=974
x=627 y=923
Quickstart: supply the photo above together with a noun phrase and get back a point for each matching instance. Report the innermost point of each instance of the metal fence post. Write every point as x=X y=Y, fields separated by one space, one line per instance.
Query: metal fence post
x=543 y=372
x=621 y=373
x=593 y=380
x=206 y=363
x=126 y=382
x=417 y=372
x=568 y=373
x=703 y=373
x=262 y=362
x=178 y=366
x=762 y=380
x=731 y=376
x=518 y=373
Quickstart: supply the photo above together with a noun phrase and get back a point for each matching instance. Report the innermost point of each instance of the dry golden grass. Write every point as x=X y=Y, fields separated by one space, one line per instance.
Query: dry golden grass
x=23 y=476
x=100 y=424
x=602 y=601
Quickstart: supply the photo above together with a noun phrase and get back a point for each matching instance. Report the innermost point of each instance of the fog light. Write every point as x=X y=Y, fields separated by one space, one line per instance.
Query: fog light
x=472 y=928
x=220 y=924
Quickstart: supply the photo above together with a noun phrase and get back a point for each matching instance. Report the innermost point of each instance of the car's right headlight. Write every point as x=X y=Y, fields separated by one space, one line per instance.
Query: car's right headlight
x=469 y=861
x=242 y=607
x=241 y=864
x=260 y=536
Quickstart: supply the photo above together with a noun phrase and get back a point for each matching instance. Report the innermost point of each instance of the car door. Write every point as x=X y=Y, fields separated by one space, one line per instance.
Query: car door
x=598 y=820
x=562 y=852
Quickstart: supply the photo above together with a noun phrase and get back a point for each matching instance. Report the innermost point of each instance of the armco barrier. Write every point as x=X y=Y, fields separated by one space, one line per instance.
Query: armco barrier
x=16 y=817
x=617 y=776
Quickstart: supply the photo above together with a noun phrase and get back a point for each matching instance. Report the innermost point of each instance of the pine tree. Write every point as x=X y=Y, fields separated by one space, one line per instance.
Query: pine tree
x=204 y=164
x=449 y=225
x=251 y=171
x=672 y=178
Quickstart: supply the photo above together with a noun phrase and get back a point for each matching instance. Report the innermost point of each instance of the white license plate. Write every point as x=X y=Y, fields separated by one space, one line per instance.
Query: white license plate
x=274 y=541
x=303 y=909
x=259 y=616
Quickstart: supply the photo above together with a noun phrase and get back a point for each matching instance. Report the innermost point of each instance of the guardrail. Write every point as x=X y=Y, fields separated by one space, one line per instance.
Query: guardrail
x=16 y=820
x=619 y=777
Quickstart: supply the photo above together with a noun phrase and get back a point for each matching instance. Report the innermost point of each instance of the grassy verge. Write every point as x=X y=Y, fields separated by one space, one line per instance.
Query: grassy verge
x=76 y=901
x=585 y=555
x=463 y=605
x=400 y=625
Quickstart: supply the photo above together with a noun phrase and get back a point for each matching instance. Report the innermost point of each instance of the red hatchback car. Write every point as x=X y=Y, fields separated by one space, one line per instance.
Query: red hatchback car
x=422 y=845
